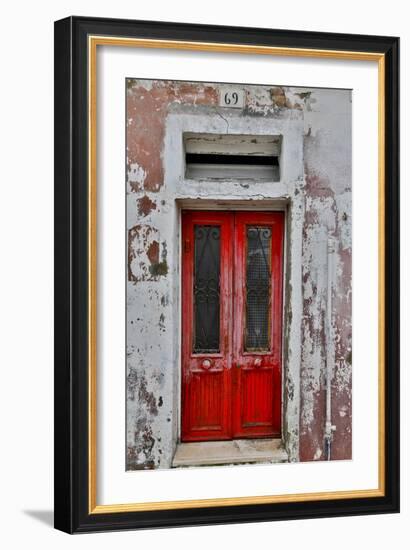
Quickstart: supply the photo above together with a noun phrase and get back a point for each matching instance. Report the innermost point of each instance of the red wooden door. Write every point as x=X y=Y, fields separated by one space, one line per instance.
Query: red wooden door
x=231 y=324
x=206 y=325
x=257 y=332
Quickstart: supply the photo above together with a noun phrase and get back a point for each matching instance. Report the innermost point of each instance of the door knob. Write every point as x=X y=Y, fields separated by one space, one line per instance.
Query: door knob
x=206 y=364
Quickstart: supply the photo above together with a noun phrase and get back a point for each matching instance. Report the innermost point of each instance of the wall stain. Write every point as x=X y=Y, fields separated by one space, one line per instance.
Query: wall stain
x=145 y=205
x=144 y=254
x=161 y=323
x=140 y=455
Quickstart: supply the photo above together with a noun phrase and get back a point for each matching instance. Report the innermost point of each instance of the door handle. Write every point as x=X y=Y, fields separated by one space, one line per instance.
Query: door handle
x=206 y=364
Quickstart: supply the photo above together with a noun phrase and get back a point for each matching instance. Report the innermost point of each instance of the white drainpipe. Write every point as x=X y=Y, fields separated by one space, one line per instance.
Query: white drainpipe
x=329 y=428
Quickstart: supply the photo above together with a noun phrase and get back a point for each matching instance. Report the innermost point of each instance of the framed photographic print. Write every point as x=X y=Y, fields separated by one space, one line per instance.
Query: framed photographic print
x=226 y=274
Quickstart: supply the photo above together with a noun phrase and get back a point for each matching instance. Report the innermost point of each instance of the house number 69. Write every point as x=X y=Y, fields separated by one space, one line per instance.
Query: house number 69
x=229 y=97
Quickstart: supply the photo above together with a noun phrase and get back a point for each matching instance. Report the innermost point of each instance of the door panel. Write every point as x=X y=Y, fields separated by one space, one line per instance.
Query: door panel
x=256 y=411
x=206 y=325
x=258 y=321
x=231 y=324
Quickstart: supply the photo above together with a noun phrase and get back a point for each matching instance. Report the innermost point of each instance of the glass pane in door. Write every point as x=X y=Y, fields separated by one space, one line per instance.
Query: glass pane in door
x=206 y=288
x=258 y=288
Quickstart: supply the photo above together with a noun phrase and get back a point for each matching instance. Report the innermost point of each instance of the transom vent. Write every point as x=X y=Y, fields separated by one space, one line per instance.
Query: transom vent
x=232 y=156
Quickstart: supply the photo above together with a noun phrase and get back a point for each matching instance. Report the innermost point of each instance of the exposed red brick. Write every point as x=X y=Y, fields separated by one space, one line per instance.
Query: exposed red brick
x=145 y=205
x=153 y=252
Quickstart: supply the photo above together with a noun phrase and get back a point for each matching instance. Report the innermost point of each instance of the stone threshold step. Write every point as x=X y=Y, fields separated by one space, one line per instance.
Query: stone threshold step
x=236 y=451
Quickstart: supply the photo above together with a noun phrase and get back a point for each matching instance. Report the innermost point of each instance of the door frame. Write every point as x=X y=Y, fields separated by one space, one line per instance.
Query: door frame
x=286 y=195
x=236 y=206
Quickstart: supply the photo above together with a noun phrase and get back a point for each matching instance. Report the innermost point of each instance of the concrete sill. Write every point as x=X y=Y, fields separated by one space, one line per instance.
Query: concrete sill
x=236 y=451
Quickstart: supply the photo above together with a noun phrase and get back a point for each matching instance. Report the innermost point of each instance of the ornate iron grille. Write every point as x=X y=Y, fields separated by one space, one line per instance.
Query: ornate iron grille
x=258 y=288
x=206 y=288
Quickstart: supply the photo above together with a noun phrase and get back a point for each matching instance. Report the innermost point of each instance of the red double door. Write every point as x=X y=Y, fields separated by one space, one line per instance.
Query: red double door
x=231 y=324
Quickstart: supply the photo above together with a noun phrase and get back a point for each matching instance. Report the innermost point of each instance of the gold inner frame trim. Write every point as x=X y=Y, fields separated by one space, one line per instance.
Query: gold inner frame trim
x=93 y=42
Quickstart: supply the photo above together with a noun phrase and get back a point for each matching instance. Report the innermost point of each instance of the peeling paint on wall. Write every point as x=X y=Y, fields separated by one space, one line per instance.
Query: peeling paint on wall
x=144 y=262
x=147 y=105
x=145 y=206
x=315 y=188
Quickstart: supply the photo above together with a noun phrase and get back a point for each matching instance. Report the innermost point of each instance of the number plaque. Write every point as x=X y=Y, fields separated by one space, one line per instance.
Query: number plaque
x=232 y=97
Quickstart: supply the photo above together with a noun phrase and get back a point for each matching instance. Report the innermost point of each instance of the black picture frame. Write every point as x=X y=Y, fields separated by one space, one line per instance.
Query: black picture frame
x=71 y=492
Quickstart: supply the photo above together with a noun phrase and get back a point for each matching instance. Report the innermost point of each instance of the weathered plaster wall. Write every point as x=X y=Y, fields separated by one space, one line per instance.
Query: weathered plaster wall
x=327 y=159
x=315 y=188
